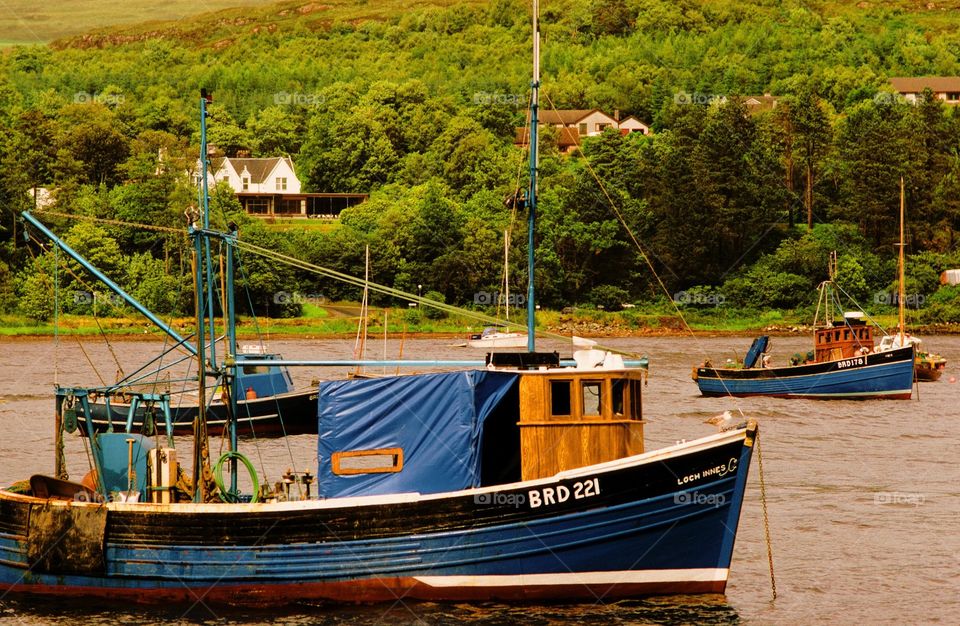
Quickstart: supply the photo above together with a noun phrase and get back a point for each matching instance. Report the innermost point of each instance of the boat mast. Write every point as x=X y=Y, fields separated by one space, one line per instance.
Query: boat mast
x=902 y=271
x=532 y=193
x=506 y=274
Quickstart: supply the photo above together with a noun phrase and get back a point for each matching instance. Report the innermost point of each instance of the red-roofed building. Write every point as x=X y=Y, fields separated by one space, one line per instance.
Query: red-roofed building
x=945 y=88
x=574 y=124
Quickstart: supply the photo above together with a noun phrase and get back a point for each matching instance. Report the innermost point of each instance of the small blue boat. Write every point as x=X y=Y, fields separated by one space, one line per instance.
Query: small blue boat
x=881 y=375
x=843 y=365
x=266 y=401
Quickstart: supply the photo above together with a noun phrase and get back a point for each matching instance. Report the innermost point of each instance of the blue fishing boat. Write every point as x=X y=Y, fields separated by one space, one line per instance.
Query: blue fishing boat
x=887 y=374
x=267 y=404
x=522 y=480
x=844 y=364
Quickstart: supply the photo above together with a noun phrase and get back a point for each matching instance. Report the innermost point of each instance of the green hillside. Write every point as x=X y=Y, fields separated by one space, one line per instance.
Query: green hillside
x=415 y=103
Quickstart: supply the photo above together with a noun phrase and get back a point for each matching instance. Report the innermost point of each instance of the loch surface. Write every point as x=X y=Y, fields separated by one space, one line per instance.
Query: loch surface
x=863 y=496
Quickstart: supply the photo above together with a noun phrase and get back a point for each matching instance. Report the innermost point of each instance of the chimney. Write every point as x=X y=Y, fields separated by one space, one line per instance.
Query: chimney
x=616 y=114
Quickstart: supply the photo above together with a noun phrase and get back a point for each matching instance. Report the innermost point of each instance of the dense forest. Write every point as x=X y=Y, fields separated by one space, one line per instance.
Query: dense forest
x=416 y=104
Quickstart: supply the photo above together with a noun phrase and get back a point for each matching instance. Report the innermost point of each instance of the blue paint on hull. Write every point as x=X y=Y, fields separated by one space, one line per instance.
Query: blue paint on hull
x=690 y=528
x=890 y=379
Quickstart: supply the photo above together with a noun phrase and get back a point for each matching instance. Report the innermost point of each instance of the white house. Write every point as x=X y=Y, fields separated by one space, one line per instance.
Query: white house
x=588 y=122
x=633 y=125
x=273 y=175
x=270 y=188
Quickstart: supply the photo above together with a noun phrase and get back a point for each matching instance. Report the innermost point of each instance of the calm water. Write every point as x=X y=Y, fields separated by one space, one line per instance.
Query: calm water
x=862 y=496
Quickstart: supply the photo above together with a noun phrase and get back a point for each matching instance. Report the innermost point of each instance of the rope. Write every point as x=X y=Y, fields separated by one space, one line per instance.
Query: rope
x=90 y=361
x=102 y=220
x=643 y=255
x=225 y=494
x=626 y=227
x=253 y=431
x=397 y=293
x=58 y=263
x=766 y=519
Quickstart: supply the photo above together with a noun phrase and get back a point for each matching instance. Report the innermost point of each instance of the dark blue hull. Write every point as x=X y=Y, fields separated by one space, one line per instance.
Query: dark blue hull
x=663 y=522
x=291 y=413
x=881 y=375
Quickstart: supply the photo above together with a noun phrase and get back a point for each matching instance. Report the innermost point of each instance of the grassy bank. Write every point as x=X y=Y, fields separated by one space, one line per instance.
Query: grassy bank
x=341 y=320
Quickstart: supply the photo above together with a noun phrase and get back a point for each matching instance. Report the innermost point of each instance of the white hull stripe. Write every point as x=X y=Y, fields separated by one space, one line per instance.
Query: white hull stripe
x=851 y=393
x=580 y=578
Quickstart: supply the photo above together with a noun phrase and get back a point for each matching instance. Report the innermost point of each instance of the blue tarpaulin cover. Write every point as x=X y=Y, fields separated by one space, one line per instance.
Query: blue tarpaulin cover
x=758 y=347
x=436 y=419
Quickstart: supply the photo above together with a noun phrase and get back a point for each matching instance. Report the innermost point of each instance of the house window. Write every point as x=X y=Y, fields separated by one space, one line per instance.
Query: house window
x=281 y=184
x=256 y=206
x=953 y=96
x=601 y=127
x=382 y=461
x=592 y=398
x=245 y=183
x=583 y=128
x=560 y=397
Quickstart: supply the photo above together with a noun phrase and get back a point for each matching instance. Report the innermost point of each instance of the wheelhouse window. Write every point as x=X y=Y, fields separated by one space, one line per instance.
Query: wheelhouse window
x=592 y=392
x=560 y=398
x=618 y=395
x=381 y=461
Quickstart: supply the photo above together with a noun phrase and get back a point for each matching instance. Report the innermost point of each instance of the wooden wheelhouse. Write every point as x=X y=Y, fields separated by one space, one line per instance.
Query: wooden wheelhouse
x=573 y=417
x=853 y=338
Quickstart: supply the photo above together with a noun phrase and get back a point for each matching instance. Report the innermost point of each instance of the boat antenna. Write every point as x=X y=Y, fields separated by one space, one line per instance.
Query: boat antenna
x=532 y=194
x=902 y=271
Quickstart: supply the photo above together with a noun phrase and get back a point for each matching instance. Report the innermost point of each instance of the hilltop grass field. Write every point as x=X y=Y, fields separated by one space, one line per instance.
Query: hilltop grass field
x=26 y=22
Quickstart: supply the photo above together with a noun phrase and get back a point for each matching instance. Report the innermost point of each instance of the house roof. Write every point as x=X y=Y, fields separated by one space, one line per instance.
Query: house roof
x=634 y=118
x=916 y=84
x=259 y=169
x=565 y=116
x=760 y=103
x=566 y=137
